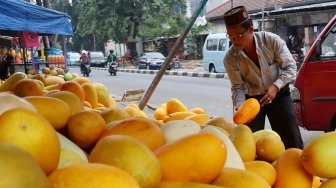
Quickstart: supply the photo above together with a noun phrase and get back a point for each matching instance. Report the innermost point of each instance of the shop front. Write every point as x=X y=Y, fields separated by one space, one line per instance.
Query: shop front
x=21 y=29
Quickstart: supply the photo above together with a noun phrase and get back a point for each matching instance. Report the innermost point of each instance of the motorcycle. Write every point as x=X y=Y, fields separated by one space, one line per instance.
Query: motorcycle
x=85 y=69
x=175 y=63
x=113 y=68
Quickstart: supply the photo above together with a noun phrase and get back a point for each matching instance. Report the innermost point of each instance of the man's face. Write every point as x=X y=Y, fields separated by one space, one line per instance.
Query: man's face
x=239 y=36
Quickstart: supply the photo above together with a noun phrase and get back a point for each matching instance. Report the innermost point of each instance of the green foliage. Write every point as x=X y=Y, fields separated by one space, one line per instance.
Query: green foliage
x=164 y=22
x=196 y=30
x=96 y=21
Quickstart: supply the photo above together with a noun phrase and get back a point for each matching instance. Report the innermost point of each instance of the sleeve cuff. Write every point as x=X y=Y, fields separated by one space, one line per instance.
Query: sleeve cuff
x=279 y=84
x=237 y=105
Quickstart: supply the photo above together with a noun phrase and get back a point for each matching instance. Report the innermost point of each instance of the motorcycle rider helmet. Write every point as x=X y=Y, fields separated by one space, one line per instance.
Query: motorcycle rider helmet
x=111 y=51
x=83 y=52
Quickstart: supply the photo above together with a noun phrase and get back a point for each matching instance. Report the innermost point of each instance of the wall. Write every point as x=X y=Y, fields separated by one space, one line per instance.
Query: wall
x=212 y=4
x=119 y=49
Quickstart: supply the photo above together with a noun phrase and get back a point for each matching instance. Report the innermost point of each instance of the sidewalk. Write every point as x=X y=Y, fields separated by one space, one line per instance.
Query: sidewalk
x=190 y=68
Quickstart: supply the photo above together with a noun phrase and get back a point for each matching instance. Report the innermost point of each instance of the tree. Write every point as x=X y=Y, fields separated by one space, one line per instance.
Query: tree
x=97 y=21
x=64 y=6
x=165 y=21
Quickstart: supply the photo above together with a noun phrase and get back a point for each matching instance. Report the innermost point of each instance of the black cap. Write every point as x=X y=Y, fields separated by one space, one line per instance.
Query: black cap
x=236 y=16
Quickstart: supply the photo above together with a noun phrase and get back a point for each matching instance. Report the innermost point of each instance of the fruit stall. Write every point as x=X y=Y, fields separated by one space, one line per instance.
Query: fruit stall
x=84 y=137
x=85 y=132
x=26 y=24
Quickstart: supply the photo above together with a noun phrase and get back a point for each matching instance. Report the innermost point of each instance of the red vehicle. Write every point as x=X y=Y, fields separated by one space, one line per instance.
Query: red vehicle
x=314 y=92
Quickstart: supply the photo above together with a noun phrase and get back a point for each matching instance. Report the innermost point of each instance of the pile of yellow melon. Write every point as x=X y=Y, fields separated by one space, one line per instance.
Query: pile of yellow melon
x=73 y=134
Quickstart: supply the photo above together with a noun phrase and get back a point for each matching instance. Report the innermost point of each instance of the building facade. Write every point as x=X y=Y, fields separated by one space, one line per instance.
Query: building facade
x=303 y=18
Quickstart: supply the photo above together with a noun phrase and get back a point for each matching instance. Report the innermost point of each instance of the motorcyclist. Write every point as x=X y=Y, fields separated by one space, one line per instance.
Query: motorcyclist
x=111 y=58
x=84 y=58
x=112 y=65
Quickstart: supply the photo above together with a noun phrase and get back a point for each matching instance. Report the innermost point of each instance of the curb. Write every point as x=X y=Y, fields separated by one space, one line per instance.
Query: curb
x=171 y=72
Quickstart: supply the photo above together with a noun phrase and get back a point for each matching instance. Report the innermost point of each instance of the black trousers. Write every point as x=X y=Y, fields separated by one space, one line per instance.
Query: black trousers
x=282 y=117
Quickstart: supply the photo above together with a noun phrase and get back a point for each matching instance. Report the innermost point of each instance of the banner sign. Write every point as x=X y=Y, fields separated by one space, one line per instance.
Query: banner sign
x=29 y=39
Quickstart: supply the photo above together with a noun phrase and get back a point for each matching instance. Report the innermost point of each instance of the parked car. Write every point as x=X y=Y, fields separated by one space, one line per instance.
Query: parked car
x=151 y=61
x=214 y=49
x=97 y=59
x=72 y=58
x=314 y=92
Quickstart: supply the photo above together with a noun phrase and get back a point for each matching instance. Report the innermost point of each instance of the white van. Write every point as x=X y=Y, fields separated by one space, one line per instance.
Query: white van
x=214 y=49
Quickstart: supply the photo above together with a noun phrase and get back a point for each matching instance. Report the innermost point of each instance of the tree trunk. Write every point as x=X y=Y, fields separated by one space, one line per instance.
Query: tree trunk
x=46 y=3
x=94 y=42
x=44 y=38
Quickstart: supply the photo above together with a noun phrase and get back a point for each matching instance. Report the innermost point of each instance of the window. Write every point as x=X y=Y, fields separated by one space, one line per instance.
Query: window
x=212 y=44
x=328 y=46
x=222 y=45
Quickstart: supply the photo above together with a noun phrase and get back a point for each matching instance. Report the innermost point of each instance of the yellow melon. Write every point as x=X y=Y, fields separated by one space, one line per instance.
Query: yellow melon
x=221 y=122
x=71 y=99
x=261 y=133
x=200 y=119
x=161 y=112
x=90 y=175
x=85 y=128
x=56 y=111
x=33 y=133
x=318 y=157
x=196 y=158
x=246 y=111
x=130 y=155
x=290 y=172
x=74 y=88
x=52 y=80
x=262 y=168
x=177 y=116
x=112 y=102
x=242 y=138
x=331 y=183
x=237 y=178
x=19 y=169
x=81 y=80
x=176 y=184
x=141 y=129
x=197 y=110
x=269 y=148
x=102 y=94
x=90 y=94
x=114 y=114
x=175 y=105
x=27 y=87
x=133 y=110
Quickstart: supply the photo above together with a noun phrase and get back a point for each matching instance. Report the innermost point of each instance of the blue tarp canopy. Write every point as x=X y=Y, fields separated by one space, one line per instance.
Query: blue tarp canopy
x=19 y=15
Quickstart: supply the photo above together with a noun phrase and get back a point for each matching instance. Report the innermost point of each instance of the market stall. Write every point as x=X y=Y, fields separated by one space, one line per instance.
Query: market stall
x=26 y=23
